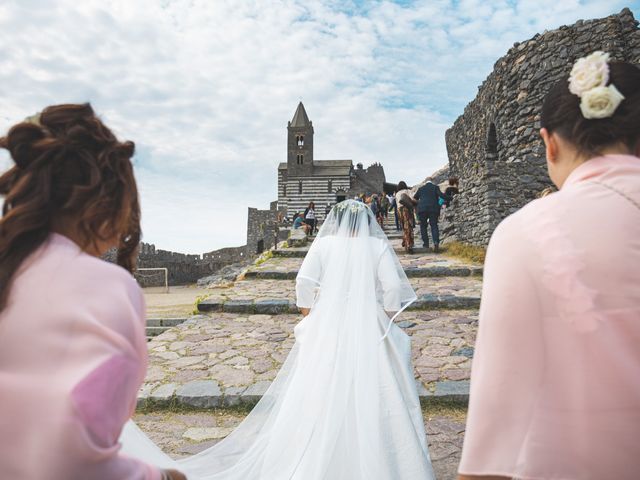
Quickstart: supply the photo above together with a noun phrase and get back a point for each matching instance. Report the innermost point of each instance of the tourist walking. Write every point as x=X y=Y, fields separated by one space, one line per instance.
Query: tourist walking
x=430 y=200
x=310 y=217
x=385 y=205
x=376 y=209
x=344 y=406
x=554 y=383
x=73 y=351
x=394 y=206
x=406 y=204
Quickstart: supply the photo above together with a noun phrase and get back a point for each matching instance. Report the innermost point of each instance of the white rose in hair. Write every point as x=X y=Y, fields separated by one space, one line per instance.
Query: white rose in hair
x=600 y=102
x=589 y=72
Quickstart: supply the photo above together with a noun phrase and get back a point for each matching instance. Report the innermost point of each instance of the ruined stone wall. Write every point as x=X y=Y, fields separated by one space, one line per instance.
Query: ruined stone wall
x=494 y=146
x=368 y=181
x=264 y=229
x=183 y=269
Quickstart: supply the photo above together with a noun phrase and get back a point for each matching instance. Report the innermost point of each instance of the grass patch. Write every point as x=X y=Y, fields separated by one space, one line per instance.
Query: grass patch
x=172 y=406
x=441 y=407
x=199 y=299
x=264 y=257
x=465 y=251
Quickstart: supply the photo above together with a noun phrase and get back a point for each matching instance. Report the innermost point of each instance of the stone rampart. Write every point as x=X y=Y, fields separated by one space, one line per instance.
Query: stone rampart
x=494 y=146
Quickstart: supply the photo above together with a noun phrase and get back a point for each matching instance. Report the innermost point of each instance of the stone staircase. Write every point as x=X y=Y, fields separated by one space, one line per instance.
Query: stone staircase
x=157 y=326
x=229 y=353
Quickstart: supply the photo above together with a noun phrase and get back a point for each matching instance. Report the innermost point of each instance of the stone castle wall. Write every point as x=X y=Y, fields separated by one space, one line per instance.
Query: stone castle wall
x=368 y=181
x=183 y=268
x=494 y=146
x=264 y=229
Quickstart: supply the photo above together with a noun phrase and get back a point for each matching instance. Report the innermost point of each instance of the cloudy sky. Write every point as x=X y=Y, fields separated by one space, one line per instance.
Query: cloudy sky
x=205 y=87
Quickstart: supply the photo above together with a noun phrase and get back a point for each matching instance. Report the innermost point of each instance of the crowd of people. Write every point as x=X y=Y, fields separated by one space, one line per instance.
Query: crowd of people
x=424 y=204
x=554 y=381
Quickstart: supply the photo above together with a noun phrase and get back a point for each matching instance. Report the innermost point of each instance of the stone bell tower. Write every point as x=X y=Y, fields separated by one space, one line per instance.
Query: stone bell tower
x=300 y=144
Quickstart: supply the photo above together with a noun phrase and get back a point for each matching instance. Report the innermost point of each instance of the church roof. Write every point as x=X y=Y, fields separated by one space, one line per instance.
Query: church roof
x=300 y=118
x=332 y=163
x=326 y=167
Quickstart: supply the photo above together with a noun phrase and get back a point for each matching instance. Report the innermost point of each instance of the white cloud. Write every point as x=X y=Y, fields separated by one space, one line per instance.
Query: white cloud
x=205 y=88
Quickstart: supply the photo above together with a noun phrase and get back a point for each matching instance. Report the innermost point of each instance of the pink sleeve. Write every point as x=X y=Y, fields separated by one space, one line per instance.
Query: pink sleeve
x=508 y=361
x=105 y=399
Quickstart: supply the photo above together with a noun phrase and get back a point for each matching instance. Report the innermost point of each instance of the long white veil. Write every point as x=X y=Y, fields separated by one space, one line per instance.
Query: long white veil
x=354 y=257
x=344 y=405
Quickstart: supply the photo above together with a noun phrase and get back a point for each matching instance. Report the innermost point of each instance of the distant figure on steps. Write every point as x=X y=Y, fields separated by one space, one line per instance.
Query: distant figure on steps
x=406 y=204
x=430 y=200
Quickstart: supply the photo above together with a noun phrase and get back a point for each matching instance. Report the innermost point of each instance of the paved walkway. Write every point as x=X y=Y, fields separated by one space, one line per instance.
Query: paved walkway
x=231 y=352
x=228 y=354
x=188 y=433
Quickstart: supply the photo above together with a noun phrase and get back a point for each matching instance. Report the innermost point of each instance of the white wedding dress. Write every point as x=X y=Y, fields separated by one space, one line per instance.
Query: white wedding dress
x=344 y=405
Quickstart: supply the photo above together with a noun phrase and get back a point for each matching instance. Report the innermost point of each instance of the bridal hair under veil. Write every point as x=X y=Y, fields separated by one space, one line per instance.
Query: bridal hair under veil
x=348 y=251
x=344 y=405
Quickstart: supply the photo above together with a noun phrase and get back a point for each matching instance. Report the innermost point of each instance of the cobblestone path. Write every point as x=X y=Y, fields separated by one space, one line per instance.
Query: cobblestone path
x=188 y=433
x=224 y=358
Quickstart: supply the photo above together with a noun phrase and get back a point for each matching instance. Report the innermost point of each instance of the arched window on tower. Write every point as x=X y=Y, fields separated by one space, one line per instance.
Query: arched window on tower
x=300 y=140
x=300 y=187
x=284 y=190
x=329 y=186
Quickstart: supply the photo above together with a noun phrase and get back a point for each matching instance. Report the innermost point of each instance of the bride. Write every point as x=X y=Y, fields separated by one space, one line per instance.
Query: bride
x=344 y=406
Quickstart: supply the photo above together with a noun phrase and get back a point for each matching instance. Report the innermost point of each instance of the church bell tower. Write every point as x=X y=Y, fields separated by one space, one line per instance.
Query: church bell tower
x=300 y=144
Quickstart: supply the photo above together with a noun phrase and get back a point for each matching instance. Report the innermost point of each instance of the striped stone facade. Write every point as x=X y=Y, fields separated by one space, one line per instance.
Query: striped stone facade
x=294 y=194
x=302 y=179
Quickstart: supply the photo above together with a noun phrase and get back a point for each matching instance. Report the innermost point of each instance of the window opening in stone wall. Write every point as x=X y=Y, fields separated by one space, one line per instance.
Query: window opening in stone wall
x=284 y=192
x=329 y=186
x=492 y=139
x=301 y=159
x=300 y=139
x=300 y=187
x=260 y=247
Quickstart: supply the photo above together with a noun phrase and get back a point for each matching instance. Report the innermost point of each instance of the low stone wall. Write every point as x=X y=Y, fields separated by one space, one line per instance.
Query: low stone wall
x=183 y=269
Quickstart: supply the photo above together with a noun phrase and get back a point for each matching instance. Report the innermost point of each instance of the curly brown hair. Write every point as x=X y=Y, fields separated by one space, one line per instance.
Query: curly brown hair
x=68 y=164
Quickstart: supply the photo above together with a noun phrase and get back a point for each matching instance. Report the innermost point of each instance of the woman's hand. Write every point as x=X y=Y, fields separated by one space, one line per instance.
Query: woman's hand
x=174 y=475
x=304 y=311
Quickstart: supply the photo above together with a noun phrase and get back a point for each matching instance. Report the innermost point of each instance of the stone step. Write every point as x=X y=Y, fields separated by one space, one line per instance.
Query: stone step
x=418 y=265
x=415 y=272
x=157 y=326
x=165 y=322
x=227 y=359
x=278 y=296
x=208 y=394
x=300 y=252
x=275 y=306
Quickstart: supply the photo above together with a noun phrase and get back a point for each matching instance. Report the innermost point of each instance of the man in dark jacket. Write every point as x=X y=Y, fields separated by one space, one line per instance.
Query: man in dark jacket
x=428 y=208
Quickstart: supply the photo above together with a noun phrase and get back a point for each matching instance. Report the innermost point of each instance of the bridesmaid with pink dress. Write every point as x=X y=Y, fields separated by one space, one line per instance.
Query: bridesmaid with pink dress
x=555 y=383
x=72 y=343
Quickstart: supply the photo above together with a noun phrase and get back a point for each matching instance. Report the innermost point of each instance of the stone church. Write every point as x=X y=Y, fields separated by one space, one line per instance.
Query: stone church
x=303 y=179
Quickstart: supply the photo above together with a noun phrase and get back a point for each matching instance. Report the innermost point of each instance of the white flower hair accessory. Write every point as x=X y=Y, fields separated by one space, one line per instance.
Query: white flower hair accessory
x=588 y=80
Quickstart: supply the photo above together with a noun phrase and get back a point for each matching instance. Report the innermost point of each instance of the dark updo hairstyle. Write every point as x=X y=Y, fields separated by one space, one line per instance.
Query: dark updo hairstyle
x=68 y=164
x=561 y=113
